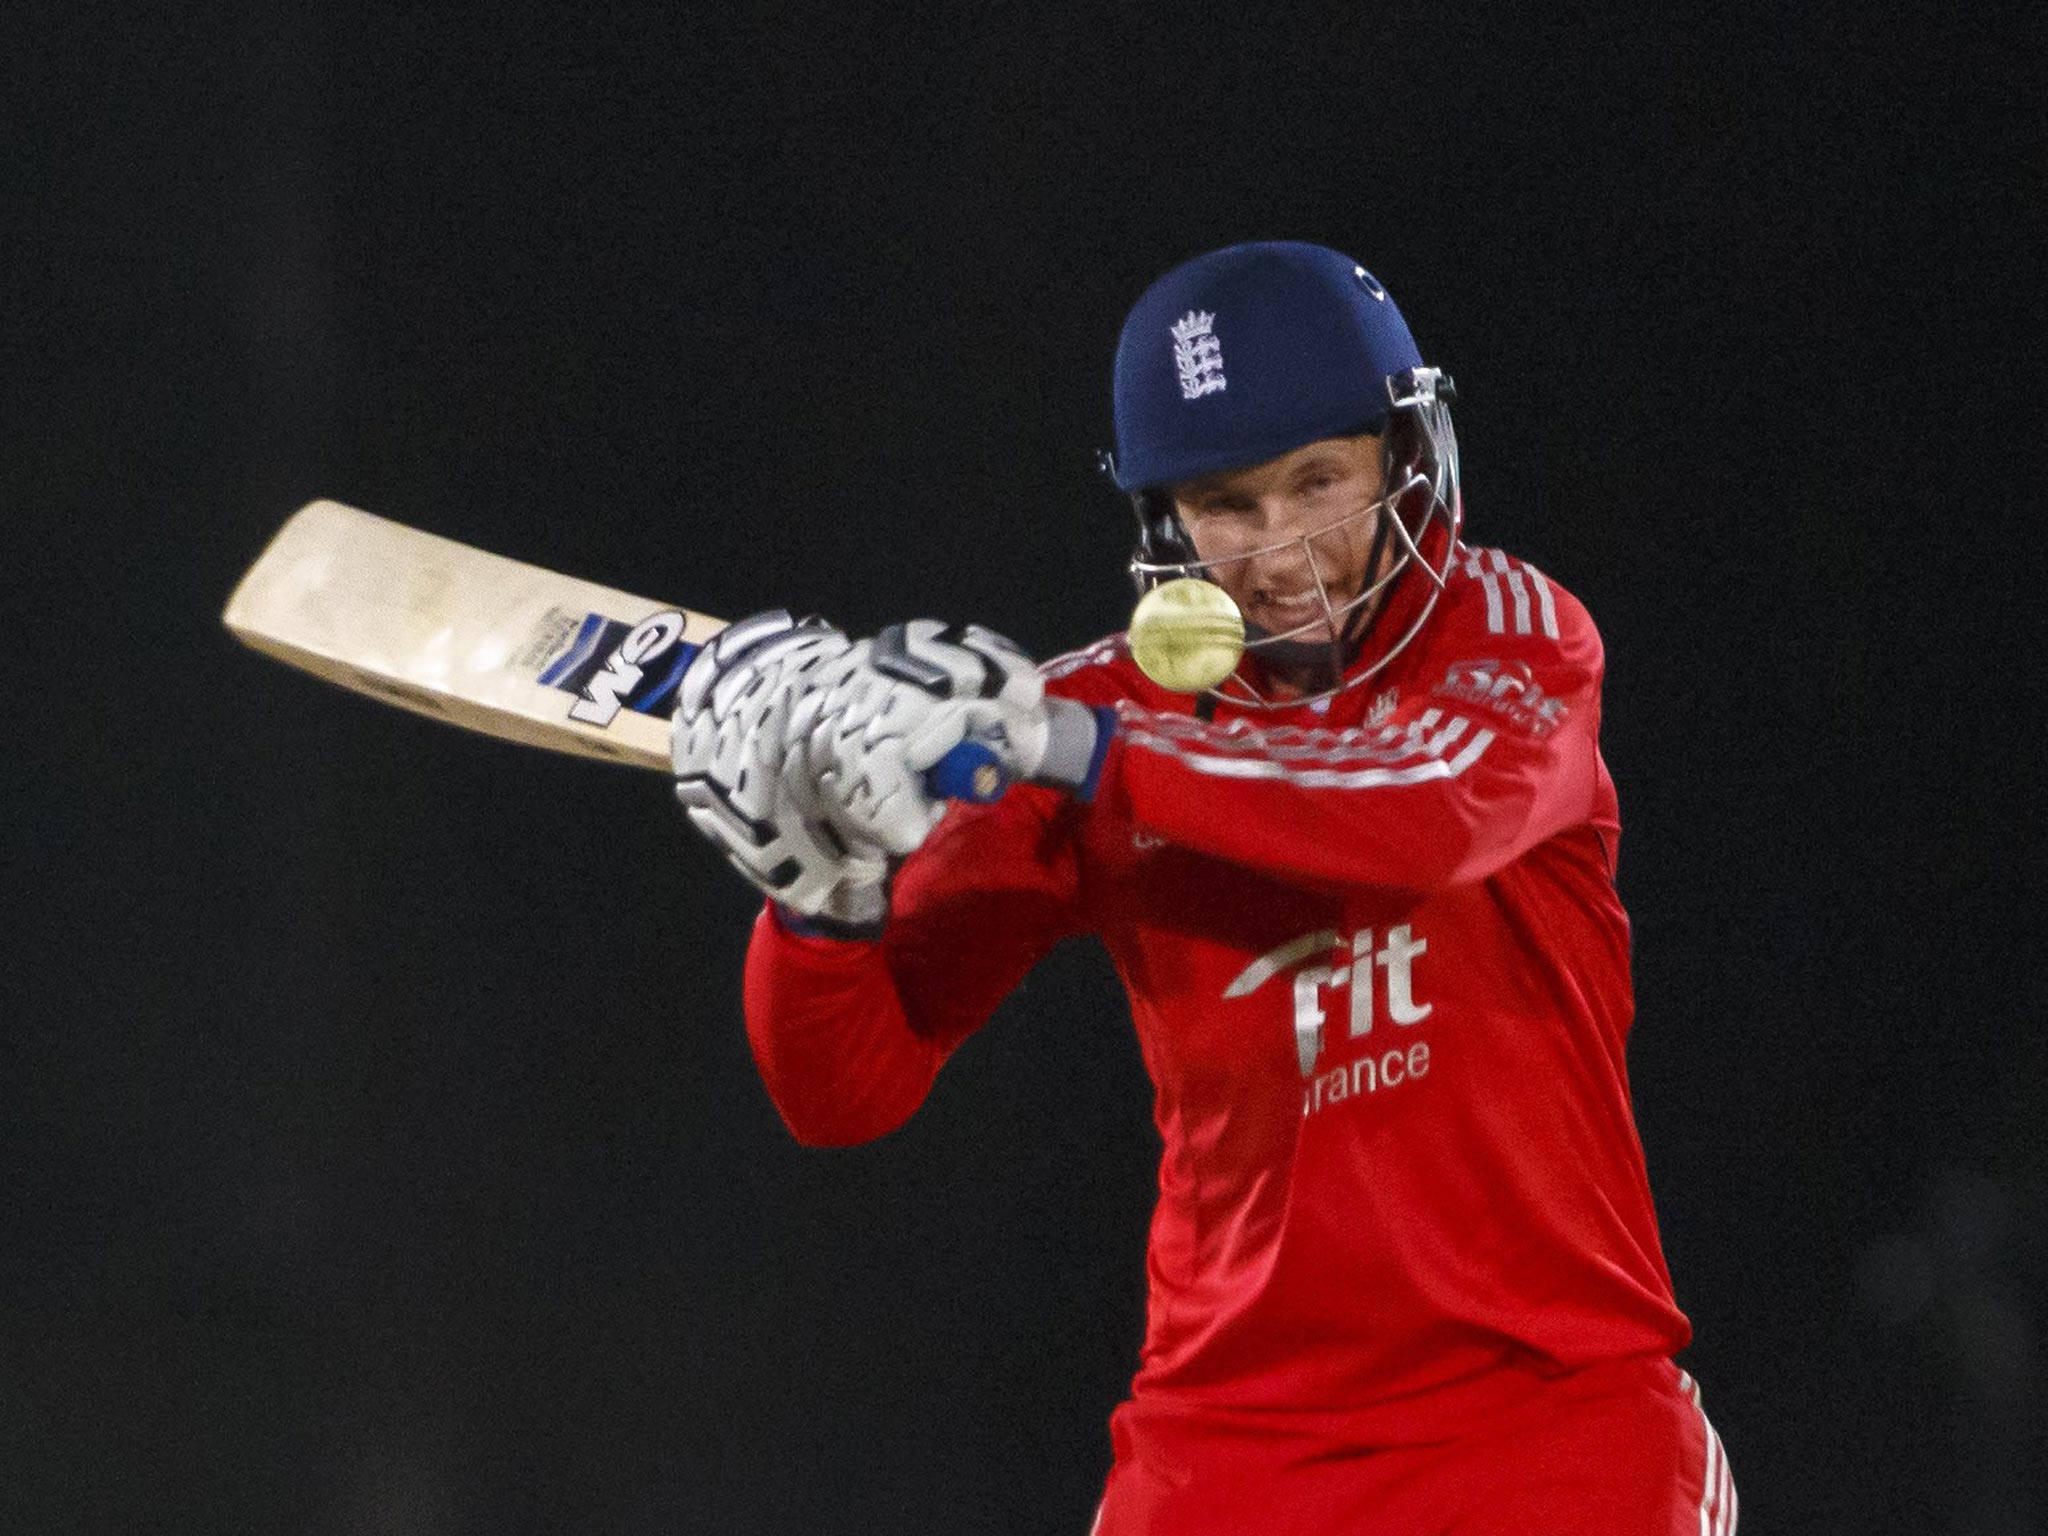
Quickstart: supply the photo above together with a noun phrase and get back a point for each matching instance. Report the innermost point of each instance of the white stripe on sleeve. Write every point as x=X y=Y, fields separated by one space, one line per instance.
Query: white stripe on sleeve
x=1101 y=653
x=1495 y=622
x=1434 y=767
x=1543 y=600
x=1514 y=575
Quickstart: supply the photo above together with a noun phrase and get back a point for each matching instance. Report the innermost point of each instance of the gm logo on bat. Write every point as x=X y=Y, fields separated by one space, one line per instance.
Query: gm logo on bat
x=604 y=692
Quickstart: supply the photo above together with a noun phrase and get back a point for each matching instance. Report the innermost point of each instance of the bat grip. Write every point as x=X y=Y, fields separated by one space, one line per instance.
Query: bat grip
x=971 y=771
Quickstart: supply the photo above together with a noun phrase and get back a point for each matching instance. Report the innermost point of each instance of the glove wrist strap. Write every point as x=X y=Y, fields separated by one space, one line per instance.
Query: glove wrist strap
x=1077 y=737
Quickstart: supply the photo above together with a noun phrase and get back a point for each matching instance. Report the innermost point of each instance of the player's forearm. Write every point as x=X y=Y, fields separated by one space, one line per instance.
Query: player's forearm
x=831 y=1039
x=1450 y=815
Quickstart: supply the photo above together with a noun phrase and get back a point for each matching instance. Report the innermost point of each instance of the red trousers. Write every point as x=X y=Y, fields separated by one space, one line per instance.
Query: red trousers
x=1616 y=1449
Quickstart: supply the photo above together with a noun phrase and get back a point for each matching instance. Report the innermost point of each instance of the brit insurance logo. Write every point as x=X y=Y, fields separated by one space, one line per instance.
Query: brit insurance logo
x=1509 y=689
x=1372 y=975
x=1198 y=355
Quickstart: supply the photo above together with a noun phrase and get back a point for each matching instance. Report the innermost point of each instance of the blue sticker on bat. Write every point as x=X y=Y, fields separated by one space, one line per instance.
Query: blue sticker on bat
x=612 y=666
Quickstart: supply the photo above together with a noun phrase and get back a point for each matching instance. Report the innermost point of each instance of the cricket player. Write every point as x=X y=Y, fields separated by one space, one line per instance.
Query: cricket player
x=1404 y=1270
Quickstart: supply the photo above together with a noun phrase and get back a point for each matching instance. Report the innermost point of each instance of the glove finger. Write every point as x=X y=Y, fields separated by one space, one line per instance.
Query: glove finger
x=869 y=796
x=865 y=869
x=943 y=729
x=724 y=653
x=690 y=742
x=896 y=815
x=1022 y=685
x=837 y=802
x=921 y=654
x=774 y=664
x=698 y=679
x=787 y=859
x=797 y=779
x=717 y=821
x=704 y=748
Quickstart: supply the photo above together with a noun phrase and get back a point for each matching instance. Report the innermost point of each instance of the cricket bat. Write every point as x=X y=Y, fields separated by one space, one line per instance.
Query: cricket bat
x=492 y=644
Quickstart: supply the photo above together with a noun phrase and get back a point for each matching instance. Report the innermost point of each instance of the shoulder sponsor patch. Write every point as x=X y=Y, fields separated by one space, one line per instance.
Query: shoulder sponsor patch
x=1506 y=688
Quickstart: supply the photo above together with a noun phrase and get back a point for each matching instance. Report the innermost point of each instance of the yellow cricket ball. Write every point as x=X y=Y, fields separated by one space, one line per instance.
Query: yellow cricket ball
x=1187 y=634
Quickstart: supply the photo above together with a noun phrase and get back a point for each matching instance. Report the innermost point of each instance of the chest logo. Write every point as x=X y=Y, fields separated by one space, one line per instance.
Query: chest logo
x=1373 y=971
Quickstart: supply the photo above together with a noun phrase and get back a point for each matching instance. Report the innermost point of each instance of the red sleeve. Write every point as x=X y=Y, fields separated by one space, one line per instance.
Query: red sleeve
x=1498 y=752
x=849 y=1034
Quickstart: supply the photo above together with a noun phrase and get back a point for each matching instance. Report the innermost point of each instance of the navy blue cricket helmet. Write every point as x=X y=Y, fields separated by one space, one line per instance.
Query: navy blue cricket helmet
x=1249 y=352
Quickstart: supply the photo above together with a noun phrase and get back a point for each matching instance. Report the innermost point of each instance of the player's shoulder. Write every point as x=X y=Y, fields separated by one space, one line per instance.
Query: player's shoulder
x=1508 y=601
x=1102 y=673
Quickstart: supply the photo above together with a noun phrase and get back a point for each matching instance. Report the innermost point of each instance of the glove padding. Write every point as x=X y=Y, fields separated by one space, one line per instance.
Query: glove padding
x=729 y=741
x=998 y=699
x=801 y=754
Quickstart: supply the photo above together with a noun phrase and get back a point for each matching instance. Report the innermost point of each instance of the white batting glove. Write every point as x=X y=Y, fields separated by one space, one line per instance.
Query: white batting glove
x=996 y=697
x=731 y=745
x=802 y=754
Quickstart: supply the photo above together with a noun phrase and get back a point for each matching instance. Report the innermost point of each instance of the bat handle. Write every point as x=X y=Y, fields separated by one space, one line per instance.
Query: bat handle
x=971 y=771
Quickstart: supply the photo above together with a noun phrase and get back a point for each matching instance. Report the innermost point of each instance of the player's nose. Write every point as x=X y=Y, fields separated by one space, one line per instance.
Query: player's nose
x=1282 y=557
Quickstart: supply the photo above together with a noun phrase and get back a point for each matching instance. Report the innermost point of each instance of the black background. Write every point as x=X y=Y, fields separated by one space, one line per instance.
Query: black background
x=379 y=1144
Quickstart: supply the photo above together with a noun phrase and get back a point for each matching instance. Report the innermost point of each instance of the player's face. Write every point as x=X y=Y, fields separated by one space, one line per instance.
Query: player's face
x=1276 y=527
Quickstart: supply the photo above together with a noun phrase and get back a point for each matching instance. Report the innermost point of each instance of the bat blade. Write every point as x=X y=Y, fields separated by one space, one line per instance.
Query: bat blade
x=472 y=638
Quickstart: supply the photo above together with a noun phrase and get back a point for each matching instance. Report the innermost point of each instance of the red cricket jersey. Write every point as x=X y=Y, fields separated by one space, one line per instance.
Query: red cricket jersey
x=1380 y=976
